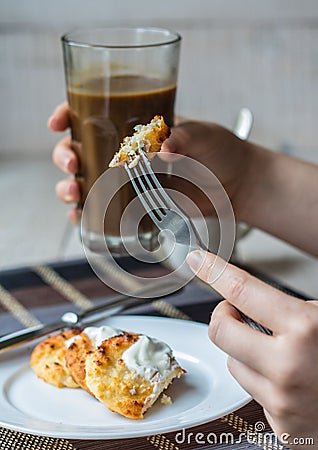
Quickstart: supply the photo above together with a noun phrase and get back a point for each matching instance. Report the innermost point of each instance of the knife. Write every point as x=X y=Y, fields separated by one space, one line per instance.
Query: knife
x=115 y=305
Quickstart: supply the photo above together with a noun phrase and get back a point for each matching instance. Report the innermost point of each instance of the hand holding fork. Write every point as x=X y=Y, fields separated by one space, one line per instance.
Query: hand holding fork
x=167 y=215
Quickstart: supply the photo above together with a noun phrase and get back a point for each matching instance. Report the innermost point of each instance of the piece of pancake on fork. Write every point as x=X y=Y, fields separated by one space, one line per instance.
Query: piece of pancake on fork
x=148 y=138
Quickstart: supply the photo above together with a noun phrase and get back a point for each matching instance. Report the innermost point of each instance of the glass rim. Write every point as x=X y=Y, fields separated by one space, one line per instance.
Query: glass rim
x=172 y=37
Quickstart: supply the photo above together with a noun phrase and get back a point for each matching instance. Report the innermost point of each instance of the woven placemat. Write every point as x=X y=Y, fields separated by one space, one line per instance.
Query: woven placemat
x=40 y=294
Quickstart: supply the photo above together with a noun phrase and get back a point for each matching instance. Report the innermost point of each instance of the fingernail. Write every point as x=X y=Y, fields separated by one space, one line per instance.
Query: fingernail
x=69 y=193
x=195 y=260
x=50 y=121
x=67 y=162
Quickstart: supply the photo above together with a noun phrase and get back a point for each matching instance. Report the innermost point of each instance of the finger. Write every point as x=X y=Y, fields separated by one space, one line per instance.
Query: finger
x=60 y=119
x=253 y=297
x=74 y=215
x=68 y=190
x=238 y=340
x=177 y=141
x=264 y=391
x=64 y=157
x=169 y=157
x=314 y=302
x=258 y=386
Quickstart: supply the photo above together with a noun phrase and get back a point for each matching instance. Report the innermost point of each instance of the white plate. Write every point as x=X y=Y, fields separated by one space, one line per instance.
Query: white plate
x=206 y=392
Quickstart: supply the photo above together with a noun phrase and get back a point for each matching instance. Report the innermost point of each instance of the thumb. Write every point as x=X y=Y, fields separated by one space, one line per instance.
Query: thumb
x=177 y=142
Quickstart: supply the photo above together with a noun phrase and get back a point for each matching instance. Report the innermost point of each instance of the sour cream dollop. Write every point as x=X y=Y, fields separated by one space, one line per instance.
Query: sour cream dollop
x=96 y=335
x=148 y=356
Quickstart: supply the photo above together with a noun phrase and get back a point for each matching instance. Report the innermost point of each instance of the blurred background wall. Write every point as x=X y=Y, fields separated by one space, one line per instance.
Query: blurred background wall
x=263 y=54
x=260 y=54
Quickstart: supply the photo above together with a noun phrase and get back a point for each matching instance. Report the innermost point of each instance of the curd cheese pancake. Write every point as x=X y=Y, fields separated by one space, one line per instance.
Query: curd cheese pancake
x=148 y=138
x=48 y=360
x=80 y=345
x=125 y=371
x=129 y=372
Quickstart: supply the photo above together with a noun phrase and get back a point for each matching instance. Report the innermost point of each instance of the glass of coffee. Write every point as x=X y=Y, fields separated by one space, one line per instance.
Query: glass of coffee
x=116 y=78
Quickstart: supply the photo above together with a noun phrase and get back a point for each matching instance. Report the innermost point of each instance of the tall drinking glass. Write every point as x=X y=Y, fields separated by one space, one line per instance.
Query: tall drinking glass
x=116 y=78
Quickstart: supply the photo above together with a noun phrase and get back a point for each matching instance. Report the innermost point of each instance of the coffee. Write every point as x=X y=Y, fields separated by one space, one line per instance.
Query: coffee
x=99 y=122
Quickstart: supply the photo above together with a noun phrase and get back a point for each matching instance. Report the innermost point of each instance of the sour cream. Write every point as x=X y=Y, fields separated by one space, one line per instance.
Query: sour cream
x=148 y=357
x=96 y=335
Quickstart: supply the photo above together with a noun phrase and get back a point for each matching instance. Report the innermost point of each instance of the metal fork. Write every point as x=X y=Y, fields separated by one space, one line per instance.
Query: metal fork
x=167 y=215
x=163 y=211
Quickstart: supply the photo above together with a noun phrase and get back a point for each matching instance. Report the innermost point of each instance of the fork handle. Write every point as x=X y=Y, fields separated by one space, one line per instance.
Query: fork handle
x=255 y=325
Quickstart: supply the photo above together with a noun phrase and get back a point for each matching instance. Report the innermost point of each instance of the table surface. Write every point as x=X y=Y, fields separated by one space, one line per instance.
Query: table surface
x=42 y=293
x=34 y=226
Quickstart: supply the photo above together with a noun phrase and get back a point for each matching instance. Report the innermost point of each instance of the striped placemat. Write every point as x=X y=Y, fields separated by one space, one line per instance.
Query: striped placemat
x=40 y=294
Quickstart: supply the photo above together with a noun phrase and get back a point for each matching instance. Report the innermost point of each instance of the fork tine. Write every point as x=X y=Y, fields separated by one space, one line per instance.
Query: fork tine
x=169 y=203
x=143 y=195
x=153 y=188
x=159 y=190
x=145 y=192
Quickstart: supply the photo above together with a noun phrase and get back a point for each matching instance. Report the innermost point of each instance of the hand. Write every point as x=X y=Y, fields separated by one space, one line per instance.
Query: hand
x=65 y=159
x=217 y=148
x=279 y=371
x=212 y=145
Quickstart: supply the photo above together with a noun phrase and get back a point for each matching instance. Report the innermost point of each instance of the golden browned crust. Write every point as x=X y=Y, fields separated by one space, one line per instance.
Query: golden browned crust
x=148 y=137
x=101 y=371
x=121 y=390
x=75 y=359
x=48 y=360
